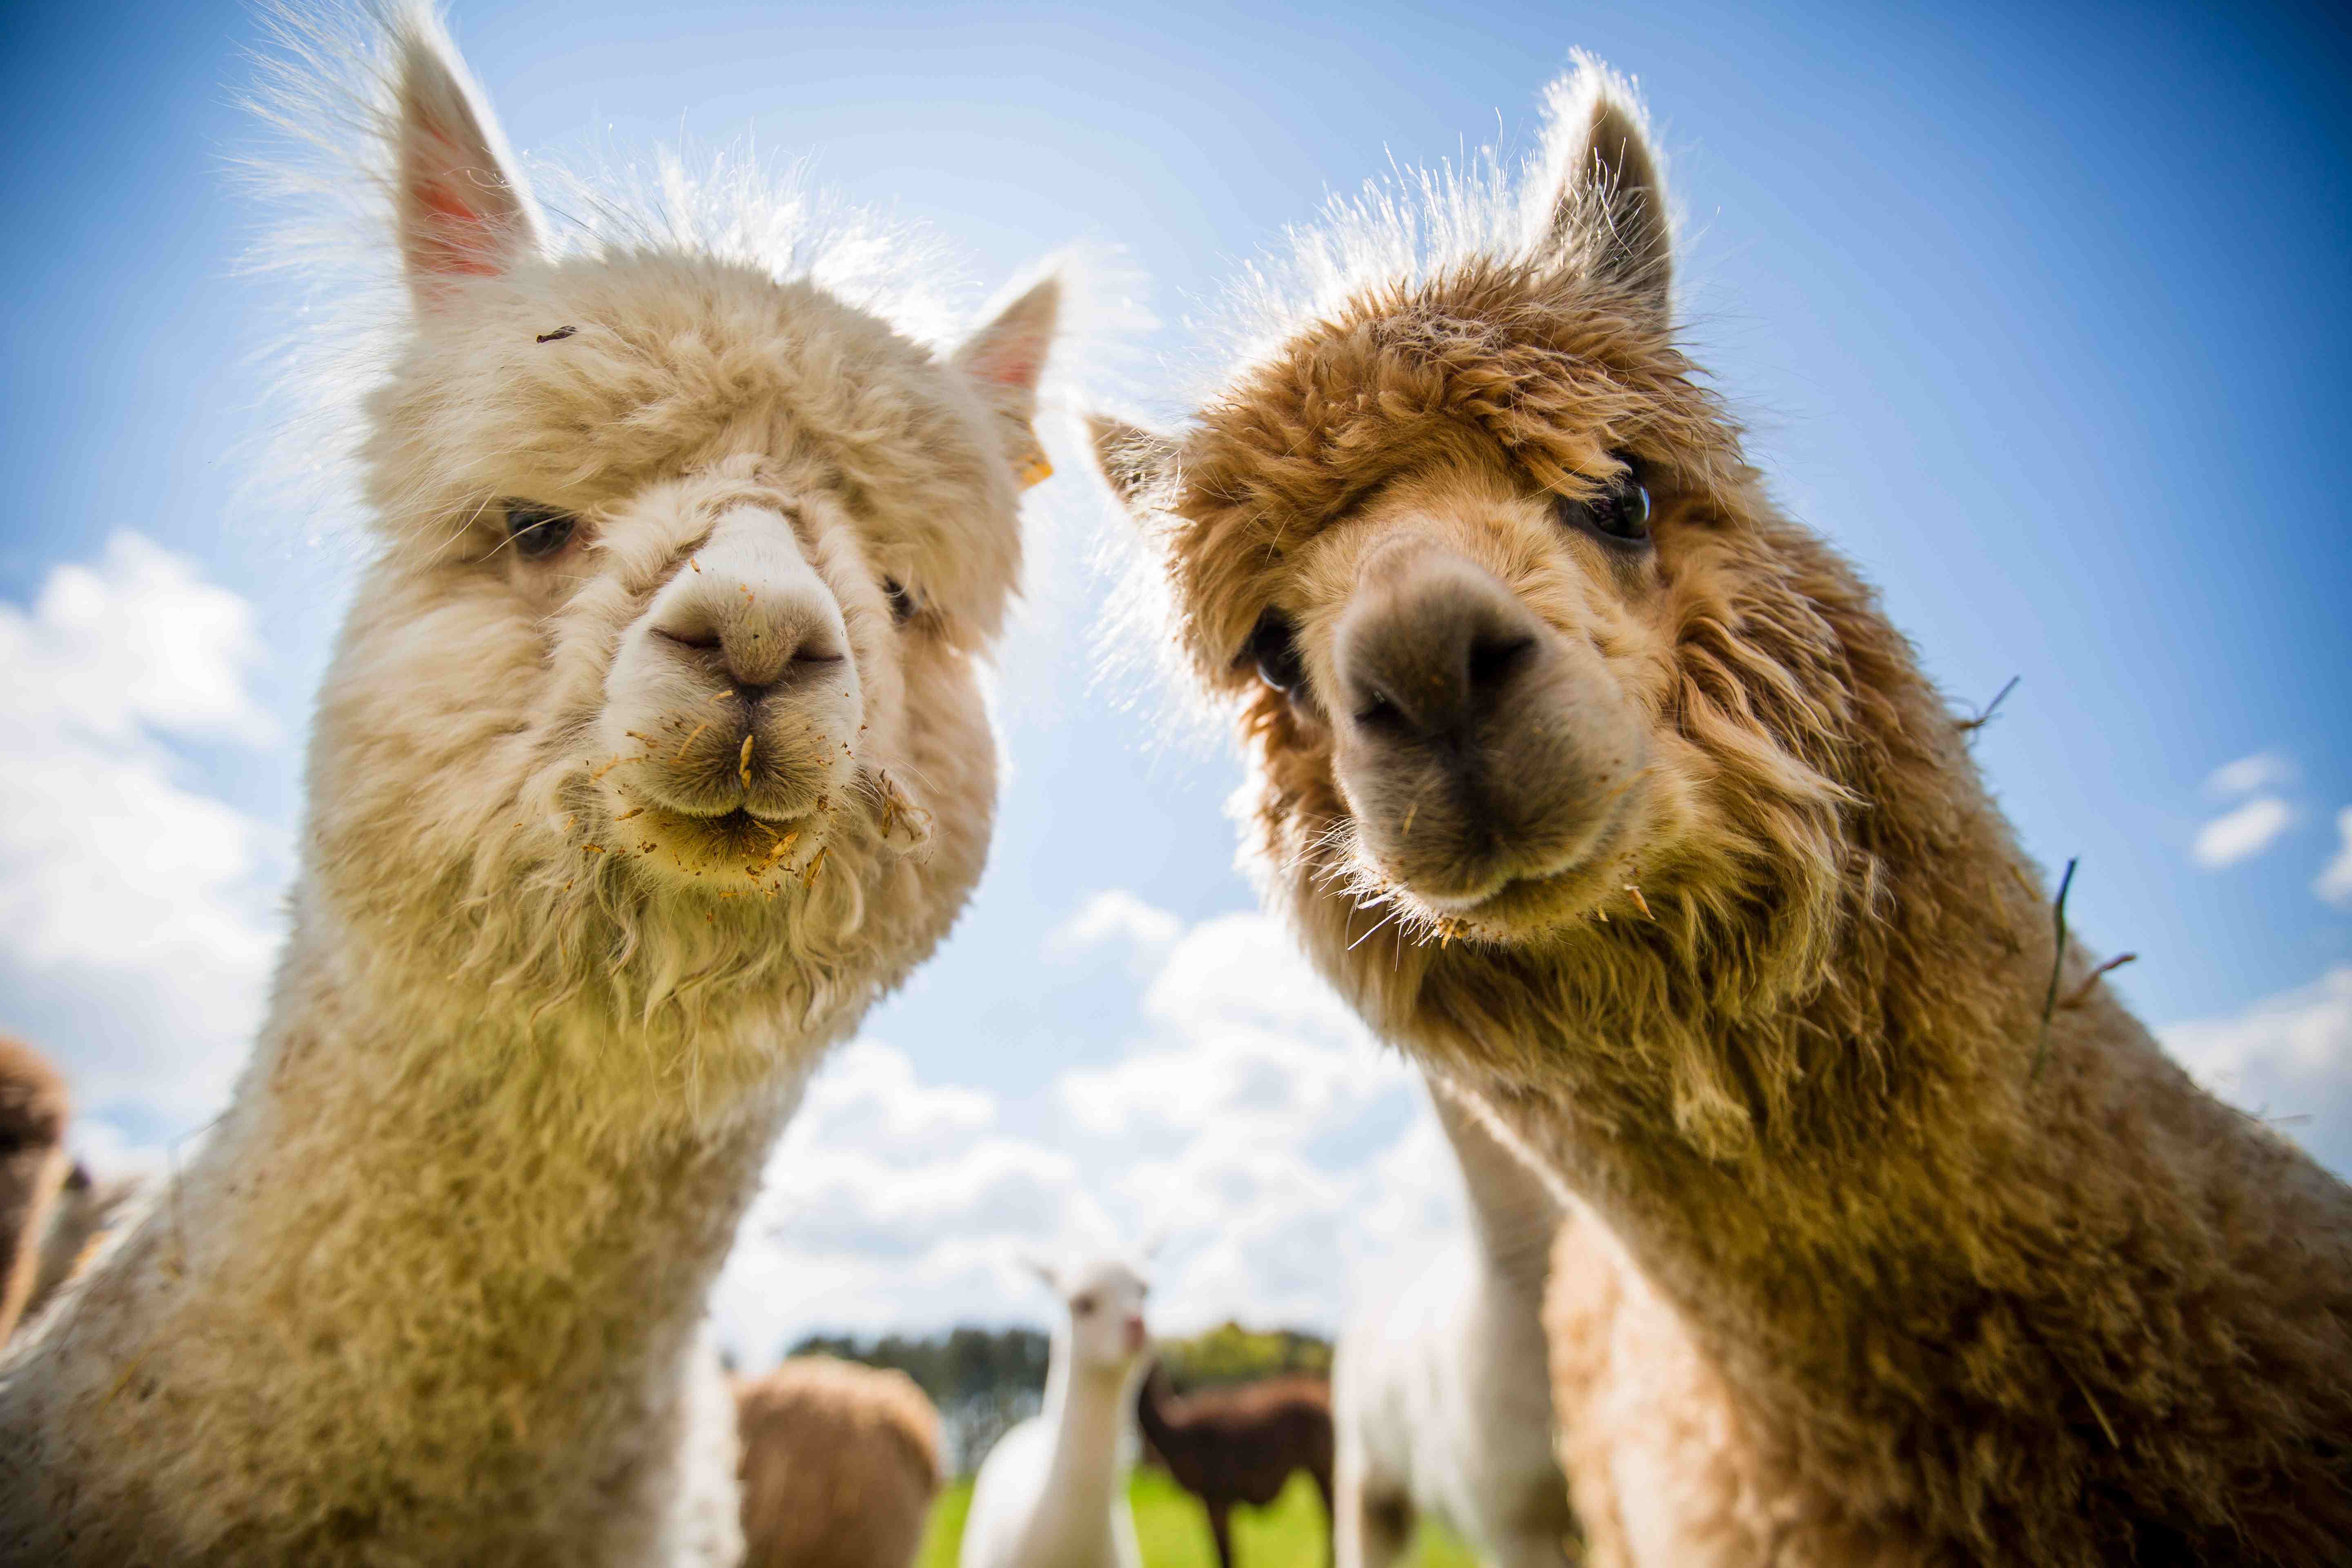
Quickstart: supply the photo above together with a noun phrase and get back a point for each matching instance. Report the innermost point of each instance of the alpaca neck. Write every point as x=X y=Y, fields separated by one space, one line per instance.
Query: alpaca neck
x=1959 y=1185
x=430 y=1226
x=1157 y=1413
x=1513 y=1215
x=1087 y=1408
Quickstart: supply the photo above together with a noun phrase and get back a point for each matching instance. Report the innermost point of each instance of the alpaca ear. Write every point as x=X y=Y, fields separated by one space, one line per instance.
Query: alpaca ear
x=461 y=211
x=1605 y=188
x=1007 y=356
x=1043 y=1270
x=1134 y=462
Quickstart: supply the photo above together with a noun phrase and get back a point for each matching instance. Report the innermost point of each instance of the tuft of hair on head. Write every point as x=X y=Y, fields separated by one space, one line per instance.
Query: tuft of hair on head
x=1595 y=191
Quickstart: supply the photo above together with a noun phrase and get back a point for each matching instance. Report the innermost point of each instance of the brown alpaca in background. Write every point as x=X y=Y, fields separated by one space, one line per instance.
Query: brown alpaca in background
x=1609 y=793
x=32 y=1168
x=1239 y=1444
x=840 y=1465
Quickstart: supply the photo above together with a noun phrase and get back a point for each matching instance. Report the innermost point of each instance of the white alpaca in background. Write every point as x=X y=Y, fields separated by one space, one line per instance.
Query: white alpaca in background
x=1053 y=1492
x=1440 y=1401
x=653 y=751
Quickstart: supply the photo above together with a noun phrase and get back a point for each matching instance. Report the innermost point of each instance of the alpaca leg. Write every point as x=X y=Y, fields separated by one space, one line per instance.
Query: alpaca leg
x=1371 y=1526
x=1221 y=1516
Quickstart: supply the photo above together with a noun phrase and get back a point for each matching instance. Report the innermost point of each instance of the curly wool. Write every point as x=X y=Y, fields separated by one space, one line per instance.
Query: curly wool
x=840 y=1465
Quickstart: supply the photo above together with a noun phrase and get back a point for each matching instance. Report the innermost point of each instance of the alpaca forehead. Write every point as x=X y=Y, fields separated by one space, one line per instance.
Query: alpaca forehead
x=592 y=372
x=1495 y=391
x=1112 y=1277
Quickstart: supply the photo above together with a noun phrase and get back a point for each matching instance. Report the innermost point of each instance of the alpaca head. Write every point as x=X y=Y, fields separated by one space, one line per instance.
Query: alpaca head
x=1508 y=628
x=683 y=573
x=1103 y=1300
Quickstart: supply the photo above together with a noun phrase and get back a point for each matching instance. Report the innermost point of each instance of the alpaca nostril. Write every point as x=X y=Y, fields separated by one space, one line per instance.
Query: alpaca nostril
x=1376 y=710
x=1434 y=658
x=1494 y=660
x=702 y=639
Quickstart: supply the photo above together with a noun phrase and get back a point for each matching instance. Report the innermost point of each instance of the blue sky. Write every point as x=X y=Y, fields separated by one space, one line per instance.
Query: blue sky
x=2037 y=311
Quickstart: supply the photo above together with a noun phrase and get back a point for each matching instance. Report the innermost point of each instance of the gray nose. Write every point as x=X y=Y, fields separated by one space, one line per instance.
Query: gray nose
x=1431 y=653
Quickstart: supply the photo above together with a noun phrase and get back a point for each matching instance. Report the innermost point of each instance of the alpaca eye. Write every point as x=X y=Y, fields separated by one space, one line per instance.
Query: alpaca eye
x=902 y=603
x=1273 y=648
x=1622 y=512
x=1083 y=1306
x=538 y=531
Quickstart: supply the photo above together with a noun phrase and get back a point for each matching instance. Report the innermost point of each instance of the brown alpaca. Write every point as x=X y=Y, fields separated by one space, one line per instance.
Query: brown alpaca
x=1689 y=877
x=32 y=1168
x=840 y=1465
x=1242 y=1444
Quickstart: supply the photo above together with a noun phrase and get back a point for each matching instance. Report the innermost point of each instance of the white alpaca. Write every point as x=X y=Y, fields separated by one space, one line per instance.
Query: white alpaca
x=1053 y=1492
x=653 y=750
x=1440 y=1401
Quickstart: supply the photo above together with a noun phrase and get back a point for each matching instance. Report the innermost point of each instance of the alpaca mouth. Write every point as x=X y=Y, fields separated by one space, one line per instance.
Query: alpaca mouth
x=1513 y=898
x=736 y=843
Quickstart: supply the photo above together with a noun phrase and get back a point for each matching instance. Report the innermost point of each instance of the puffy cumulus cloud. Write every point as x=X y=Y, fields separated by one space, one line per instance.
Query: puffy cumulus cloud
x=136 y=927
x=1253 y=1128
x=2287 y=1059
x=2263 y=770
x=891 y=1201
x=1260 y=1120
x=2335 y=883
x=1115 y=917
x=2240 y=832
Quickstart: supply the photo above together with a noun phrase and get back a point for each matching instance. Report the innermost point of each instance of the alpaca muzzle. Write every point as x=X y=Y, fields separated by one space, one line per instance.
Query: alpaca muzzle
x=1475 y=744
x=735 y=697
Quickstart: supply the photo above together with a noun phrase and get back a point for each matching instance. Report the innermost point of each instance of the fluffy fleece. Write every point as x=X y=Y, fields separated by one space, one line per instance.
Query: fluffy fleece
x=1708 y=904
x=1441 y=1391
x=653 y=750
x=840 y=1465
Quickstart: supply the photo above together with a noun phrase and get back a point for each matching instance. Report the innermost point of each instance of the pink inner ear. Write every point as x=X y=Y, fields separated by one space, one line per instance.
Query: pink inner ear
x=463 y=240
x=456 y=236
x=1010 y=367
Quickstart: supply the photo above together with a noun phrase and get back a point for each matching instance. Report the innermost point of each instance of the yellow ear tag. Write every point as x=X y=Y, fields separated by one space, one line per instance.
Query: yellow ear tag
x=1034 y=468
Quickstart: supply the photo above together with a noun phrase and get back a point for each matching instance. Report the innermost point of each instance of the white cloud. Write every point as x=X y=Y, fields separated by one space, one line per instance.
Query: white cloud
x=2240 y=832
x=1115 y=916
x=893 y=1201
x=135 y=908
x=2335 y=883
x=1253 y=1126
x=2262 y=771
x=2287 y=1059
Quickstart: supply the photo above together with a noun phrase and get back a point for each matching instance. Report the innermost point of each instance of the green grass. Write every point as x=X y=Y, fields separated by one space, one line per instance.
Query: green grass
x=1174 y=1530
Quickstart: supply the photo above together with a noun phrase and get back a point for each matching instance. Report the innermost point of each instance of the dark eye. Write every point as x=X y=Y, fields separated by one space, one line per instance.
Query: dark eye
x=902 y=603
x=1273 y=648
x=1621 y=512
x=538 y=531
x=1083 y=1305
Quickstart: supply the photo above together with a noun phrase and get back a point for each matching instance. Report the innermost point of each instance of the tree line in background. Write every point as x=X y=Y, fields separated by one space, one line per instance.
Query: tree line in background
x=986 y=1380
